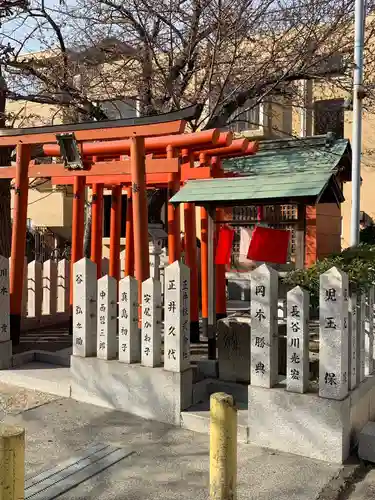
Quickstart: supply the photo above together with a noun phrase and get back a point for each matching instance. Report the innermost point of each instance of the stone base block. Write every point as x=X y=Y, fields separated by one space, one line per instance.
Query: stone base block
x=233 y=345
x=151 y=393
x=307 y=425
x=207 y=368
x=5 y=355
x=366 y=446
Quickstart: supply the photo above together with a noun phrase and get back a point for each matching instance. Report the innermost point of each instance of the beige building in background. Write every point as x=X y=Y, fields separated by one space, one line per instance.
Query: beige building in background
x=322 y=111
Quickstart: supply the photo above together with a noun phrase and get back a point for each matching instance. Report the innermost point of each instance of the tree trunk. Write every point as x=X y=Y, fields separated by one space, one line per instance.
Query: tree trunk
x=5 y=155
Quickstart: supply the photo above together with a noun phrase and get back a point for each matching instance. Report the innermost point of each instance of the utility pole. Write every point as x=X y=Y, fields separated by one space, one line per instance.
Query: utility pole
x=358 y=95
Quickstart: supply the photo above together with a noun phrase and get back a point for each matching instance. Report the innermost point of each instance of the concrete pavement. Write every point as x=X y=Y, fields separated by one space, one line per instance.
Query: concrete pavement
x=167 y=462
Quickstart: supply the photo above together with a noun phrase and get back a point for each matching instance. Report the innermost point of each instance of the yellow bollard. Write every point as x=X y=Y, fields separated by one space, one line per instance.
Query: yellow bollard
x=12 y=462
x=223 y=447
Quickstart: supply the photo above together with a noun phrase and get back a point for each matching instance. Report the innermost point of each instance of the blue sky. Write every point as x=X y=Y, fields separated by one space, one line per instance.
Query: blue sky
x=18 y=29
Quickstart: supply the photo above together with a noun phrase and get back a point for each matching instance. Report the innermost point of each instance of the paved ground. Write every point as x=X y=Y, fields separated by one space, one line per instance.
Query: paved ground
x=167 y=463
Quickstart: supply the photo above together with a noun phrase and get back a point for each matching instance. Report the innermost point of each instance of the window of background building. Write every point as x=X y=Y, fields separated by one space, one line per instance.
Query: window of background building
x=247 y=117
x=329 y=117
x=120 y=108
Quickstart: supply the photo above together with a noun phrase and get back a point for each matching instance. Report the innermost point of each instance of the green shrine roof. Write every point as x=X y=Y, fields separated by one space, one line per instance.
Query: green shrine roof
x=285 y=171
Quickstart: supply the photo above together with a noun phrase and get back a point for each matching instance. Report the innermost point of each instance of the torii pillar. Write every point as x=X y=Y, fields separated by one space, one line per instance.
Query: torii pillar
x=191 y=257
x=140 y=219
x=17 y=258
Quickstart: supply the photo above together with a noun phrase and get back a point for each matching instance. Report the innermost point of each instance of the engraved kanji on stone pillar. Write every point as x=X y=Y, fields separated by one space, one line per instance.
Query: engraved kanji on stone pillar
x=34 y=289
x=63 y=280
x=353 y=340
x=297 y=376
x=84 y=308
x=334 y=335
x=369 y=332
x=264 y=334
x=107 y=318
x=4 y=301
x=151 y=323
x=129 y=335
x=49 y=280
x=361 y=316
x=177 y=317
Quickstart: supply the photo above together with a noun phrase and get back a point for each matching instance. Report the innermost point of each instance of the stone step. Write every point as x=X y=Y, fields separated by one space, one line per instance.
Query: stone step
x=197 y=418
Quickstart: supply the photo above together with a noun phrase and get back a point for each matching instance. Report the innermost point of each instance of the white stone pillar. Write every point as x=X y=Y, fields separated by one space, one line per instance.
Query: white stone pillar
x=369 y=331
x=353 y=341
x=177 y=317
x=361 y=317
x=264 y=328
x=151 y=323
x=297 y=376
x=49 y=288
x=334 y=336
x=84 y=308
x=5 y=342
x=129 y=334
x=63 y=283
x=34 y=289
x=107 y=318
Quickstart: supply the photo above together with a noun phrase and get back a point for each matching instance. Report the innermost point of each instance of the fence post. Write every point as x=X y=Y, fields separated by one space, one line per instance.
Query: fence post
x=297 y=374
x=12 y=462
x=84 y=308
x=264 y=328
x=361 y=316
x=151 y=323
x=353 y=341
x=334 y=334
x=129 y=334
x=223 y=447
x=63 y=281
x=177 y=317
x=5 y=341
x=49 y=288
x=107 y=318
x=24 y=286
x=34 y=288
x=369 y=337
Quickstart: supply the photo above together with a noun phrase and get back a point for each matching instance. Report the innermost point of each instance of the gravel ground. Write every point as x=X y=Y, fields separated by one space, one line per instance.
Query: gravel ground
x=15 y=400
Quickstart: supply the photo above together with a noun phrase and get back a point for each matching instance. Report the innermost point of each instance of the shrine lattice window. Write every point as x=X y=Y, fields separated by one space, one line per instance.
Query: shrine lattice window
x=275 y=216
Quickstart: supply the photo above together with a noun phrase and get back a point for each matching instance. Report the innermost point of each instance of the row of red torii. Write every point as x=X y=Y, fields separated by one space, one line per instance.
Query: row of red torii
x=133 y=158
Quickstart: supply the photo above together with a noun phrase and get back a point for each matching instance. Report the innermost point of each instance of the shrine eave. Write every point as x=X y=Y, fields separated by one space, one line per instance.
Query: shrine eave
x=260 y=190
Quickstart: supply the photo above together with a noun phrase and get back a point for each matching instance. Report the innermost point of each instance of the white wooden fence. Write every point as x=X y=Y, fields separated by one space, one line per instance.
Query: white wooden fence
x=46 y=292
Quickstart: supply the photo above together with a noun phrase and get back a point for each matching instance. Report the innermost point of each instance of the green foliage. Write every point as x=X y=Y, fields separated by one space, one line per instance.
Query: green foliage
x=367 y=235
x=358 y=262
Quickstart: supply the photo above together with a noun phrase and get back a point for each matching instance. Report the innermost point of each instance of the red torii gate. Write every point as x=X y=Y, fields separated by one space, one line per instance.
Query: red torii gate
x=105 y=164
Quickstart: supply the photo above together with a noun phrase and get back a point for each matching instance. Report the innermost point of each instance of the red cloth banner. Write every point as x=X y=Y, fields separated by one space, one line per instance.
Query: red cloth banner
x=224 y=246
x=269 y=245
